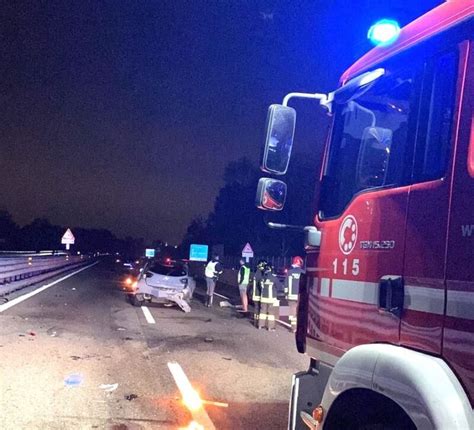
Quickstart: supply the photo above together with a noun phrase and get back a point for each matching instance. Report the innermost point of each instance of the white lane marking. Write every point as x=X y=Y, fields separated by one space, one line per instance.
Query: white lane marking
x=220 y=295
x=26 y=296
x=148 y=315
x=191 y=398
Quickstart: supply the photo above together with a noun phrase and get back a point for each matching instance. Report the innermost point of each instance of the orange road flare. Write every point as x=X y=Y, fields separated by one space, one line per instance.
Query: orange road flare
x=191 y=399
x=193 y=425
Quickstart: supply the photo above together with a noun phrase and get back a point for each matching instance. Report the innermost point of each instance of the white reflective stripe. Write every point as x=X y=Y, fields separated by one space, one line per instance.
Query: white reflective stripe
x=424 y=299
x=460 y=304
x=355 y=291
x=314 y=286
x=417 y=298
x=325 y=287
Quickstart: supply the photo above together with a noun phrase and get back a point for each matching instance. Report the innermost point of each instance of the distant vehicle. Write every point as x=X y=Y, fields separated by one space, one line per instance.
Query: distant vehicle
x=128 y=265
x=166 y=282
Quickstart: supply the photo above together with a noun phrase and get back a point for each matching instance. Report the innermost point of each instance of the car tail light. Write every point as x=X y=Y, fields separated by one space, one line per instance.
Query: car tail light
x=128 y=281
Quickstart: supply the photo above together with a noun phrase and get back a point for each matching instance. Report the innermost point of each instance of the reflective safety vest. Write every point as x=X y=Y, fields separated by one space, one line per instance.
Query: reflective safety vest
x=246 y=278
x=293 y=283
x=268 y=292
x=210 y=271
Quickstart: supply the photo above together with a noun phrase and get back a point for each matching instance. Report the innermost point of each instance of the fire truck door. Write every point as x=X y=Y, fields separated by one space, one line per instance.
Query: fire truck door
x=357 y=295
x=428 y=207
x=458 y=338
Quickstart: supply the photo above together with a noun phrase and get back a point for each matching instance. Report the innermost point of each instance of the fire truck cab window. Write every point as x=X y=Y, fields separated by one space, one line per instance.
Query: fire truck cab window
x=369 y=142
x=373 y=140
x=433 y=141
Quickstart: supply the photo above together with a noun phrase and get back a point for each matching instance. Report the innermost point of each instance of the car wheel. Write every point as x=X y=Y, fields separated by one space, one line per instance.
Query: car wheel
x=138 y=299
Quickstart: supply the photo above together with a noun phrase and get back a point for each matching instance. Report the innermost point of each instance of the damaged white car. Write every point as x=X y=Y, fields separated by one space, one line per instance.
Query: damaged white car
x=165 y=282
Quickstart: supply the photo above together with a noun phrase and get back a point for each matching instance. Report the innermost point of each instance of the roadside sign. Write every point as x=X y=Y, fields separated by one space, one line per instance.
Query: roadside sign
x=247 y=252
x=149 y=253
x=68 y=238
x=198 y=252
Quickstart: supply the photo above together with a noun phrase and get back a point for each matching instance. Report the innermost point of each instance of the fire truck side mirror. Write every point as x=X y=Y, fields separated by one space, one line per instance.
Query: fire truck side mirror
x=271 y=194
x=280 y=130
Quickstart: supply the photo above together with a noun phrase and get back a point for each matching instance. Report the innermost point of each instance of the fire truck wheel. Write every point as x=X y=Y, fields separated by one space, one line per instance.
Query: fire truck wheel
x=351 y=411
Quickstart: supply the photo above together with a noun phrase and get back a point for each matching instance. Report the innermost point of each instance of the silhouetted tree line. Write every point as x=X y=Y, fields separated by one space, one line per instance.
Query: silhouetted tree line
x=40 y=234
x=235 y=219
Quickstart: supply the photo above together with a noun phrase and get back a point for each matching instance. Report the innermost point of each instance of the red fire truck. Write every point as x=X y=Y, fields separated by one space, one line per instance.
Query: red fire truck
x=386 y=307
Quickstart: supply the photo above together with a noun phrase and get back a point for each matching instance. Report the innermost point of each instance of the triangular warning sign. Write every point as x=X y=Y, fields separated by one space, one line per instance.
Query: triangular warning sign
x=247 y=249
x=68 y=237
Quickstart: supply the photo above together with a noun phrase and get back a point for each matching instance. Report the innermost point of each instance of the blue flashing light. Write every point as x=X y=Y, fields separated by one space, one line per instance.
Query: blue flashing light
x=384 y=32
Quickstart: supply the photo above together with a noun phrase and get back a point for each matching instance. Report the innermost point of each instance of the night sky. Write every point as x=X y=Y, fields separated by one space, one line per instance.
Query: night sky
x=123 y=115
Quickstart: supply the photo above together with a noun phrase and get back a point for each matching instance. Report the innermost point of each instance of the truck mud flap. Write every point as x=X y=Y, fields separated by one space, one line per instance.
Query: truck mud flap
x=306 y=393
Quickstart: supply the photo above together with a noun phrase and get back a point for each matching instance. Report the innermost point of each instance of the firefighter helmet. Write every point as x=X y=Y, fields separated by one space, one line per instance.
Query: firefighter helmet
x=297 y=261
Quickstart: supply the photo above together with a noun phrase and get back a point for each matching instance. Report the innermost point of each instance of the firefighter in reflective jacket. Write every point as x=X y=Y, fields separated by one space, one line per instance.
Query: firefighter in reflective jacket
x=292 y=287
x=257 y=289
x=268 y=300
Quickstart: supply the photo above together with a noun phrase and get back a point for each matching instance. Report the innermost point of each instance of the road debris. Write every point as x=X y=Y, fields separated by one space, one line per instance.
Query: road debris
x=73 y=380
x=53 y=331
x=209 y=339
x=32 y=333
x=130 y=397
x=75 y=357
x=109 y=387
x=227 y=358
x=225 y=304
x=73 y=289
x=120 y=329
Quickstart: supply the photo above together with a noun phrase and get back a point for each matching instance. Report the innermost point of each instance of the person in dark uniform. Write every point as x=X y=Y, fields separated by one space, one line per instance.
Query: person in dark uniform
x=257 y=289
x=268 y=297
x=292 y=283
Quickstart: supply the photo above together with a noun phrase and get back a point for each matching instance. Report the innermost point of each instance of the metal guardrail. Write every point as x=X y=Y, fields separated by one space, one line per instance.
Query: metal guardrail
x=20 y=270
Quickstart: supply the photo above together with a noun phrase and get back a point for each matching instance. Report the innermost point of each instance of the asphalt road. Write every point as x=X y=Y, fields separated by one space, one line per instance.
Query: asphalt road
x=83 y=331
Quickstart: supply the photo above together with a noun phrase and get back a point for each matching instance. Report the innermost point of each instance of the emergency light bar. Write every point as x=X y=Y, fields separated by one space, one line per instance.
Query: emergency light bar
x=384 y=32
